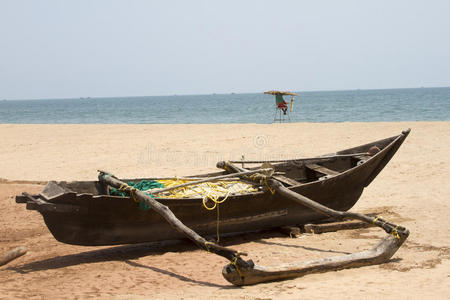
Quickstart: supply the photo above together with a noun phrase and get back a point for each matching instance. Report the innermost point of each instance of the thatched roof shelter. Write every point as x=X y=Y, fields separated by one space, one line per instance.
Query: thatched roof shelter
x=280 y=93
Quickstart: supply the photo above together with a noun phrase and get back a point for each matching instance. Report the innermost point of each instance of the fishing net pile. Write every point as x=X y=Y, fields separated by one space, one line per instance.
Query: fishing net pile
x=216 y=192
x=206 y=190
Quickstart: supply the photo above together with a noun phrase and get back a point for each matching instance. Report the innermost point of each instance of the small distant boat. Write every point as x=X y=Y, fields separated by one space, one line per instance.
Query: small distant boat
x=85 y=213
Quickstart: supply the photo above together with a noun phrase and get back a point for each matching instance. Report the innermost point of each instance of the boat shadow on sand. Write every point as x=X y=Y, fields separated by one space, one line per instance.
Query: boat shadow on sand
x=127 y=253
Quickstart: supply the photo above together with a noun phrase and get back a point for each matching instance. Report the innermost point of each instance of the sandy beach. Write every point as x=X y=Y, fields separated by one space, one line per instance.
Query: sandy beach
x=413 y=190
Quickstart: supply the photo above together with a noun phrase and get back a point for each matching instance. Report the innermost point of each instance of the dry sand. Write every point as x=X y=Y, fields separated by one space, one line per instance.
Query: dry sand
x=412 y=190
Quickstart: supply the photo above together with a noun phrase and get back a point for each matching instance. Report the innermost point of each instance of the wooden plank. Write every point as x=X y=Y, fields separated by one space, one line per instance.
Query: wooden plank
x=299 y=160
x=335 y=226
x=22 y=198
x=35 y=200
x=53 y=190
x=321 y=169
x=286 y=180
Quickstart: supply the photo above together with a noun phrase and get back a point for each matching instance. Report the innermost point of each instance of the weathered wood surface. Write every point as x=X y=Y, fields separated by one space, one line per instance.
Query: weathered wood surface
x=297 y=160
x=242 y=220
x=286 y=180
x=11 y=255
x=380 y=253
x=321 y=169
x=338 y=215
x=168 y=215
x=113 y=220
x=335 y=226
x=240 y=272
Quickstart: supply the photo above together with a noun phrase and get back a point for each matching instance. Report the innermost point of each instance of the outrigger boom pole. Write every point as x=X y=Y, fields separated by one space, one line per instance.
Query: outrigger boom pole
x=168 y=215
x=240 y=272
x=380 y=253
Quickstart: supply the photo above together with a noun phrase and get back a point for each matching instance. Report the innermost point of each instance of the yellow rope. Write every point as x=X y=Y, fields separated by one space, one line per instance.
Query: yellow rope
x=272 y=191
x=374 y=221
x=394 y=232
x=263 y=181
x=125 y=187
x=213 y=198
x=216 y=192
x=207 y=247
x=216 y=201
x=234 y=263
x=218 y=224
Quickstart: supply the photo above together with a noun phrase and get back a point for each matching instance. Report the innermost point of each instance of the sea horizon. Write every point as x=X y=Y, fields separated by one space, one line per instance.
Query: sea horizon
x=223 y=93
x=357 y=105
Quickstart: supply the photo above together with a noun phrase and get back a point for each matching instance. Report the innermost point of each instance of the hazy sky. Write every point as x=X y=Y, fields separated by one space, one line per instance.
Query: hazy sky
x=52 y=49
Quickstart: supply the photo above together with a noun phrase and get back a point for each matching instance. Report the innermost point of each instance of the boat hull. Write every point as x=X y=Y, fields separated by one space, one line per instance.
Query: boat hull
x=85 y=219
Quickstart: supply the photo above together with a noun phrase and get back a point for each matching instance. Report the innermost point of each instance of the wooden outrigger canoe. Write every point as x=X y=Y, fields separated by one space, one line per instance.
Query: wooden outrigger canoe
x=294 y=192
x=82 y=212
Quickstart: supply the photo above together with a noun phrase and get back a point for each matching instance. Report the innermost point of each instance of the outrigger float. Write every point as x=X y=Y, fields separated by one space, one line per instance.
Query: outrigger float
x=287 y=192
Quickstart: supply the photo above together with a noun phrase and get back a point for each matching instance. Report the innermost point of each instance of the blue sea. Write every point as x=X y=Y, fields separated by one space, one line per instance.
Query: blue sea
x=419 y=104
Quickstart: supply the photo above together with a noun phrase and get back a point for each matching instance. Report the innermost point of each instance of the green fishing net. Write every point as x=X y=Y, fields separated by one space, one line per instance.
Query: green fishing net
x=142 y=185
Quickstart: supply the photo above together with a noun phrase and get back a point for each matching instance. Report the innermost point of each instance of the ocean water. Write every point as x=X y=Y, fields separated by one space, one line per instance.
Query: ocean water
x=421 y=104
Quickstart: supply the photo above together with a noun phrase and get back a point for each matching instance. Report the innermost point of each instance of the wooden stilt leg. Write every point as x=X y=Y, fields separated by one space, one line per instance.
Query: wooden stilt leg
x=380 y=253
x=166 y=213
